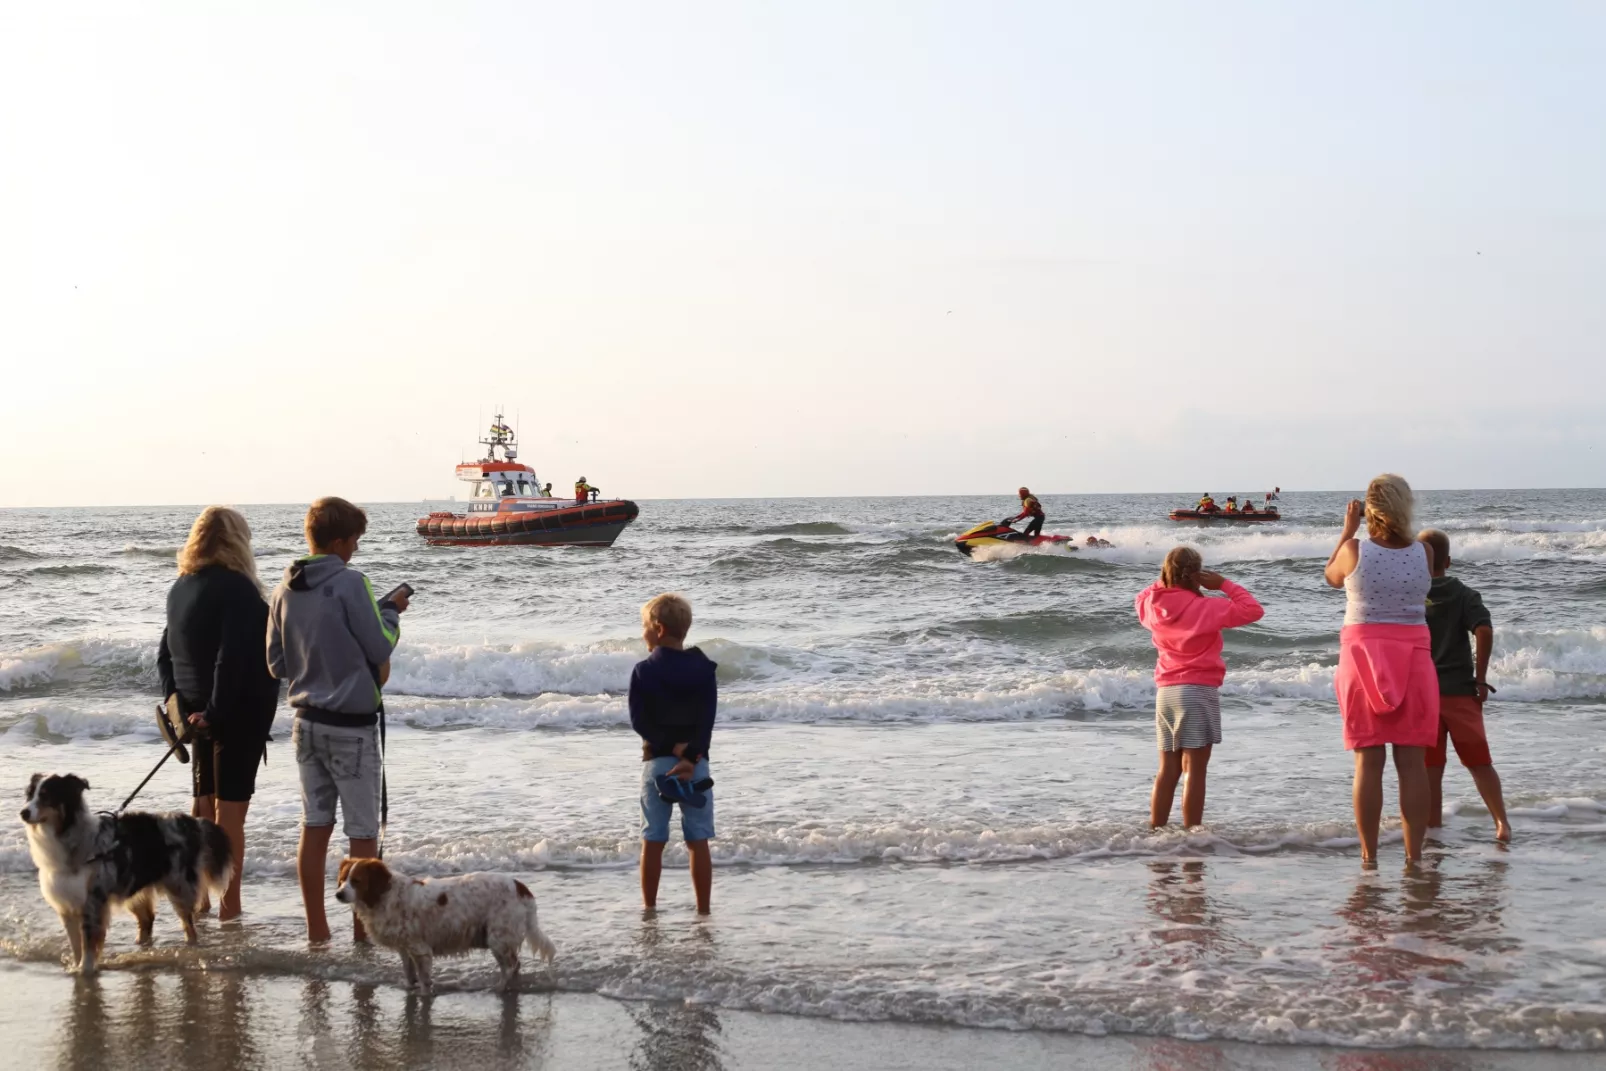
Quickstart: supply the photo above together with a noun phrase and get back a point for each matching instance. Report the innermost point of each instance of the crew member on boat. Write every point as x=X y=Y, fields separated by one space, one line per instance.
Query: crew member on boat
x=582 y=490
x=1032 y=508
x=1232 y=504
x=1207 y=504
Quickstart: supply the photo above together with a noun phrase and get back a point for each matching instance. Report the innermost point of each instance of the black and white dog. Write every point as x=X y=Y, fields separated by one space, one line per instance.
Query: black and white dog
x=90 y=863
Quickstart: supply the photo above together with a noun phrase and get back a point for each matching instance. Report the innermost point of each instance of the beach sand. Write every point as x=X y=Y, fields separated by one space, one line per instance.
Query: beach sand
x=220 y=1019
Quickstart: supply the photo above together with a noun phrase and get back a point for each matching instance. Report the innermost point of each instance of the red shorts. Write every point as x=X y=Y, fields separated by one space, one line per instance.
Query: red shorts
x=1461 y=719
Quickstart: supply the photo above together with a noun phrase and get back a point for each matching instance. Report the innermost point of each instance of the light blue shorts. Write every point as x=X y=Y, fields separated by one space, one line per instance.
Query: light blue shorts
x=696 y=823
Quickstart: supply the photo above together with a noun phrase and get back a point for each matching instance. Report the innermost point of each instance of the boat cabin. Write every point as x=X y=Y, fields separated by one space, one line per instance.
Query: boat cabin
x=493 y=479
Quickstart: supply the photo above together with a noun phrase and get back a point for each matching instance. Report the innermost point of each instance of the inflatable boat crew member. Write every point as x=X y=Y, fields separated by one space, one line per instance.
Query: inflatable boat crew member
x=582 y=490
x=1206 y=504
x=1030 y=507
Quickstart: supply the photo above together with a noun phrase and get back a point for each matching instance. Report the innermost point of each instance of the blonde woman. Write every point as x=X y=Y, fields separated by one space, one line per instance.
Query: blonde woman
x=1388 y=690
x=213 y=658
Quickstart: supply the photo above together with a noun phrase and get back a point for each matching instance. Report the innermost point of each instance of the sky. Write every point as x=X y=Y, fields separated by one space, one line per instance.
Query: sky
x=720 y=249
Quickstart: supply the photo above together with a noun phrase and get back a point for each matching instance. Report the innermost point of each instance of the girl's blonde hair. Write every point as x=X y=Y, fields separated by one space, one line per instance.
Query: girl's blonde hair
x=1389 y=505
x=219 y=536
x=1182 y=567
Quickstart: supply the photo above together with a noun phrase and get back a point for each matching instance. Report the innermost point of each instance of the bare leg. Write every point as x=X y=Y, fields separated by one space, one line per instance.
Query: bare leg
x=310 y=855
x=1194 y=761
x=204 y=807
x=652 y=868
x=1165 y=788
x=231 y=816
x=1488 y=783
x=1435 y=796
x=361 y=848
x=702 y=874
x=1368 y=792
x=1411 y=765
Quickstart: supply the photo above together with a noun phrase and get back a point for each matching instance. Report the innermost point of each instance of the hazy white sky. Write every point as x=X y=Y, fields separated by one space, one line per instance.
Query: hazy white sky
x=812 y=248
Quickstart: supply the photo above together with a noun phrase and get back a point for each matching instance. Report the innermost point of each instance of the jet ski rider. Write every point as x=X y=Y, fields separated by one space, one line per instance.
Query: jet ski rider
x=1030 y=507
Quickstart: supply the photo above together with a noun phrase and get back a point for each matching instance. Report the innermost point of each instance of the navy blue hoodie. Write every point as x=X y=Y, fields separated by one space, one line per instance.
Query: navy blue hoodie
x=672 y=701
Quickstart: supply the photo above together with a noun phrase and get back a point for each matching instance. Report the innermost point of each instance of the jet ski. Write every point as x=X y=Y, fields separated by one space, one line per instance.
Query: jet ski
x=999 y=533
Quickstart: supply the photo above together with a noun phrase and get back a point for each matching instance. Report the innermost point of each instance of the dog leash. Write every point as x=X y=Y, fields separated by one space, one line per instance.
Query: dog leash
x=140 y=787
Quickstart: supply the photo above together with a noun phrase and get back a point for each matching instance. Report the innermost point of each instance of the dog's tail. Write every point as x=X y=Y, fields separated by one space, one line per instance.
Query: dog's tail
x=540 y=944
x=217 y=858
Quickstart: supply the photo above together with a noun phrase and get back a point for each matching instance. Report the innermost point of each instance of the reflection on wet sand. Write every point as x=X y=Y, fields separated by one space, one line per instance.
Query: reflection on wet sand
x=675 y=1035
x=1438 y=927
x=154 y=1019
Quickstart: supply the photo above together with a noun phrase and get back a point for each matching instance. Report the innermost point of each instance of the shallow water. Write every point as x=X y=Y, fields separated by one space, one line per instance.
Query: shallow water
x=932 y=771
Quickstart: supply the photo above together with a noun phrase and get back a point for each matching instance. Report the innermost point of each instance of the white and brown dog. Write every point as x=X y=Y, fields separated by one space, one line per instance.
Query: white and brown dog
x=443 y=917
x=91 y=863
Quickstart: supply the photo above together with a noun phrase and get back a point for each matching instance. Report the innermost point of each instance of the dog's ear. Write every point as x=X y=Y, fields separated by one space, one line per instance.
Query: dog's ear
x=33 y=785
x=374 y=883
x=78 y=782
x=345 y=868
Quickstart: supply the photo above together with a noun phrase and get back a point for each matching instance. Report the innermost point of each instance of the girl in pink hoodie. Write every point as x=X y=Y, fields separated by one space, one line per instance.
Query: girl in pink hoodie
x=1186 y=626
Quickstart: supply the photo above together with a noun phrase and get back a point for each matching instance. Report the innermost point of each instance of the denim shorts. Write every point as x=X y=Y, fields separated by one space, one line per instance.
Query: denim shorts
x=339 y=763
x=696 y=823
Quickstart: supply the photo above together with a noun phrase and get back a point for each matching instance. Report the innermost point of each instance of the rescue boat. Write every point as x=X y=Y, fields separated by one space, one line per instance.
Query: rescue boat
x=508 y=506
x=1259 y=516
x=999 y=533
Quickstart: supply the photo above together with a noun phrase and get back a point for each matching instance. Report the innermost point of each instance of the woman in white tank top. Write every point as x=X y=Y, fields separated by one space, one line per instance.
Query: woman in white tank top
x=1388 y=690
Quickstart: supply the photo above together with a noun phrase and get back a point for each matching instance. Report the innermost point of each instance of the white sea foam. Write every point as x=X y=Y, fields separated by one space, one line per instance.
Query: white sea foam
x=1149 y=544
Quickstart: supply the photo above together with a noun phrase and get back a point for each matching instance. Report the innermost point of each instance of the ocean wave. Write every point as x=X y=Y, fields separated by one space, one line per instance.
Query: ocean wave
x=81 y=569
x=89 y=660
x=806 y=528
x=16 y=554
x=1148 y=544
x=134 y=550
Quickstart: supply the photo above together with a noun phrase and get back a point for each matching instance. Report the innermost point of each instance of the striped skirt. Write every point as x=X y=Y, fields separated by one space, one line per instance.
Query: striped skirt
x=1187 y=716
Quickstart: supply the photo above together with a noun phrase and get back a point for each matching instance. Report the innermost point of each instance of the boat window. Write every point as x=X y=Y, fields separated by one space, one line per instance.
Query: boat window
x=482 y=489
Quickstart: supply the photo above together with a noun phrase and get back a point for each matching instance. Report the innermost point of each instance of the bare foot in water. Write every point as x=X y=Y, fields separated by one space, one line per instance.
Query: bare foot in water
x=1502 y=832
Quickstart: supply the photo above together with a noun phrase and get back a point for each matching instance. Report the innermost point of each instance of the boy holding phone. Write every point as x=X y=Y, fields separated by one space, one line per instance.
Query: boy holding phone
x=332 y=641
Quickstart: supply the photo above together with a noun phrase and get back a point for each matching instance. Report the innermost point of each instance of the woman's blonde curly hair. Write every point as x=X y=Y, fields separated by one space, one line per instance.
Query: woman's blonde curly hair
x=219 y=536
x=1389 y=506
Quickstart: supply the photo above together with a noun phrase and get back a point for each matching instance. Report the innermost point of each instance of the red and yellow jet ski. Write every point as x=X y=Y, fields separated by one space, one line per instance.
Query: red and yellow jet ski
x=999 y=533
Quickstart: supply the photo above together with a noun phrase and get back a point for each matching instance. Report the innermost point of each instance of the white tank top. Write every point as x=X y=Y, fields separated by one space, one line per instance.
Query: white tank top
x=1388 y=586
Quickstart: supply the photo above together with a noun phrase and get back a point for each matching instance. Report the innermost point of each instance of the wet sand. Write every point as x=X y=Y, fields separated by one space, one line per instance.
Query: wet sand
x=221 y=1019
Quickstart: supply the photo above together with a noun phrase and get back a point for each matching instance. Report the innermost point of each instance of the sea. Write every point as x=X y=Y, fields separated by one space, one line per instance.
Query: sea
x=932 y=771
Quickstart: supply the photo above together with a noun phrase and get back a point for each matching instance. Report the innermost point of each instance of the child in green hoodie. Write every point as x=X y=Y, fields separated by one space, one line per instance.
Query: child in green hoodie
x=332 y=642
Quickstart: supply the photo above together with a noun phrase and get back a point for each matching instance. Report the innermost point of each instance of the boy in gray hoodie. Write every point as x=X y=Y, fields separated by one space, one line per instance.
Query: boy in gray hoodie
x=332 y=642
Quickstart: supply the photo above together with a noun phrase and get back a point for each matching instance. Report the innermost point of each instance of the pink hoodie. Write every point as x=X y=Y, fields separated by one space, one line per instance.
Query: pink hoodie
x=1187 y=630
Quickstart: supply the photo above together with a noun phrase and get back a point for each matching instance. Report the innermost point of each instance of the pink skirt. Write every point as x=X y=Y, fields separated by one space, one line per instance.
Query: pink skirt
x=1388 y=690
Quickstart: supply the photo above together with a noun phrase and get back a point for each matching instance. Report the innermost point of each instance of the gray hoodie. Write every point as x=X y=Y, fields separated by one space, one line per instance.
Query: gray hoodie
x=327 y=637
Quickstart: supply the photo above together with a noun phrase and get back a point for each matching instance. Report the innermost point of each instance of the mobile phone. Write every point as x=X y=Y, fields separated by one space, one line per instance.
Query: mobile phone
x=399 y=589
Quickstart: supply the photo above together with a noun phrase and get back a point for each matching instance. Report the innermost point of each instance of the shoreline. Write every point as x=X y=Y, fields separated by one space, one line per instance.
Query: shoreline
x=139 y=1018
